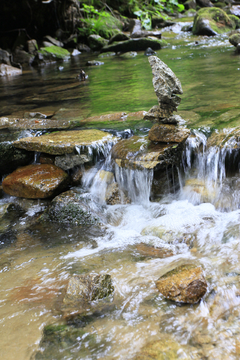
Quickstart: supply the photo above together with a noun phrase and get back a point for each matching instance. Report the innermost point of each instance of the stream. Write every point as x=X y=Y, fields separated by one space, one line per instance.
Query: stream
x=200 y=226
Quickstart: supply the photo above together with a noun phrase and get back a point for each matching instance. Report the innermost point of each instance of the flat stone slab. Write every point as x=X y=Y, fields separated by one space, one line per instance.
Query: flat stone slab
x=168 y=133
x=138 y=153
x=17 y=123
x=37 y=181
x=65 y=142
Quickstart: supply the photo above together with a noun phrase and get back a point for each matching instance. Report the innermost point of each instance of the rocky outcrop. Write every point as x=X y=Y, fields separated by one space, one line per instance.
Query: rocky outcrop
x=184 y=284
x=70 y=208
x=212 y=21
x=35 y=181
x=155 y=252
x=66 y=142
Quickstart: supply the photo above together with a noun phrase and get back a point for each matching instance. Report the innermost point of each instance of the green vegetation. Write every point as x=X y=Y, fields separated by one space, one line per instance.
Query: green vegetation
x=104 y=19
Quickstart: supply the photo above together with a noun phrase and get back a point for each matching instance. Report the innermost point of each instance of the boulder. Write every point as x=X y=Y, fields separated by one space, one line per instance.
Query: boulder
x=70 y=208
x=235 y=10
x=235 y=21
x=5 y=57
x=134 y=26
x=69 y=161
x=66 y=142
x=22 y=57
x=32 y=46
x=204 y=3
x=134 y=45
x=35 y=181
x=166 y=86
x=11 y=158
x=88 y=287
x=7 y=70
x=185 y=284
x=234 y=39
x=96 y=42
x=54 y=53
x=212 y=21
x=168 y=133
x=139 y=153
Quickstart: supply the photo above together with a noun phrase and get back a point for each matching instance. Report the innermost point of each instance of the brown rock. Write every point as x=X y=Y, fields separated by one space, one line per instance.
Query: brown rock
x=168 y=133
x=114 y=196
x=184 y=284
x=35 y=181
x=148 y=250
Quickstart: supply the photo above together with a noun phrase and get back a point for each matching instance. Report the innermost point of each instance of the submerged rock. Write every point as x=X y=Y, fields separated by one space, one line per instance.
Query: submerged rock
x=139 y=153
x=66 y=142
x=70 y=208
x=212 y=21
x=168 y=133
x=156 y=252
x=166 y=86
x=85 y=288
x=35 y=181
x=164 y=349
x=114 y=196
x=185 y=284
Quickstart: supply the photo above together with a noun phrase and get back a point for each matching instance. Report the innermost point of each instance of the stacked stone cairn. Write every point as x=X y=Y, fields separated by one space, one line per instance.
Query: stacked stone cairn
x=168 y=127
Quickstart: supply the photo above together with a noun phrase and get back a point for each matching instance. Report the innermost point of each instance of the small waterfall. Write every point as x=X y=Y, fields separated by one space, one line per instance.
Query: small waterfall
x=206 y=169
x=136 y=182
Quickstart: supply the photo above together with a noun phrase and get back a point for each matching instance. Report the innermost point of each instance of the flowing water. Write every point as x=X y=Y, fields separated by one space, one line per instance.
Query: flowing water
x=199 y=223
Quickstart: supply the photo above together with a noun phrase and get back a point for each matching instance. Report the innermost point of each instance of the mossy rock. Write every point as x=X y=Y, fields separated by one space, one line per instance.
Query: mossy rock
x=235 y=20
x=69 y=208
x=135 y=45
x=96 y=42
x=55 y=52
x=212 y=21
x=11 y=158
x=234 y=39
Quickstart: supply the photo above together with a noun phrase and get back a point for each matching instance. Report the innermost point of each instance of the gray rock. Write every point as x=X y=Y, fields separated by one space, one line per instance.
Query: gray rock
x=154 y=114
x=235 y=10
x=234 y=39
x=89 y=287
x=69 y=161
x=212 y=21
x=22 y=57
x=204 y=3
x=5 y=57
x=149 y=51
x=53 y=41
x=134 y=26
x=32 y=46
x=94 y=63
x=166 y=86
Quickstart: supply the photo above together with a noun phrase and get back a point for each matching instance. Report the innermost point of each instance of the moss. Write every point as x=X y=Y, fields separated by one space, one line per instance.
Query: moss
x=218 y=19
x=235 y=21
x=55 y=52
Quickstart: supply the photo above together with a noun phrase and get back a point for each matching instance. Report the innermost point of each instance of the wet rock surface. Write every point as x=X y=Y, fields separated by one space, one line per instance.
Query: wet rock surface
x=61 y=143
x=35 y=181
x=69 y=161
x=70 y=208
x=168 y=133
x=8 y=70
x=155 y=252
x=11 y=158
x=184 y=284
x=138 y=152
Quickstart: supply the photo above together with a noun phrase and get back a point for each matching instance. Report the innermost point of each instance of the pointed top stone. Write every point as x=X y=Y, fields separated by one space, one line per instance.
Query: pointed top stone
x=166 y=86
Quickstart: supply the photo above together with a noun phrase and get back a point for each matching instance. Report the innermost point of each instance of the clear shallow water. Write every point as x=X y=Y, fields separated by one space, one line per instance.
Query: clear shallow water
x=199 y=223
